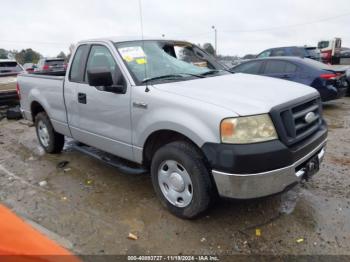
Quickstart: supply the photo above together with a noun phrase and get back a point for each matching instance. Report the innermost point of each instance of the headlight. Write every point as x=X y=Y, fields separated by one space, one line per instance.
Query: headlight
x=248 y=129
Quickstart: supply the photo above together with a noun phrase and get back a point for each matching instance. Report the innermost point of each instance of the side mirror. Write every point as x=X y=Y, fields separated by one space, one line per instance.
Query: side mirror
x=101 y=78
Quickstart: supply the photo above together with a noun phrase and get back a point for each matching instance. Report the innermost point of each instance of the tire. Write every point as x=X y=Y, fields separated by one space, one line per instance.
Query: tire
x=49 y=139
x=176 y=159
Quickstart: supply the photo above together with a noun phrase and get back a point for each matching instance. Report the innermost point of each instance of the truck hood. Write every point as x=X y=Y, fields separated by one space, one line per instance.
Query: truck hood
x=243 y=94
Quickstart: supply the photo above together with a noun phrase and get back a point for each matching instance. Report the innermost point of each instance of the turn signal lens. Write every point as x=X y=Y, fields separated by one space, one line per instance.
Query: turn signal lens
x=227 y=128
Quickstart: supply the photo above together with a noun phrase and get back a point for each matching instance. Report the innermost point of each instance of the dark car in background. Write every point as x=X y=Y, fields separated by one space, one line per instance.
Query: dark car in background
x=345 y=56
x=330 y=83
x=51 y=65
x=304 y=51
x=9 y=69
x=345 y=52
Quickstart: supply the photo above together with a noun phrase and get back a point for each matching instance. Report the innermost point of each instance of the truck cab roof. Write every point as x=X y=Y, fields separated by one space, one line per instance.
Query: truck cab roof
x=118 y=39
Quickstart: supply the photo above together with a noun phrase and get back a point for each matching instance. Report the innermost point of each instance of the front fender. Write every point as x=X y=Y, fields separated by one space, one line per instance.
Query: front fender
x=193 y=127
x=197 y=120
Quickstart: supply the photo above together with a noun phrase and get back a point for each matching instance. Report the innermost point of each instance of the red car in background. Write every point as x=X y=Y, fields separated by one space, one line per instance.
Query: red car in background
x=29 y=67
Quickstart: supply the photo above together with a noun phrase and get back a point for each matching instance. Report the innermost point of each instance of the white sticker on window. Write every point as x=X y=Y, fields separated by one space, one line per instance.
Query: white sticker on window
x=129 y=53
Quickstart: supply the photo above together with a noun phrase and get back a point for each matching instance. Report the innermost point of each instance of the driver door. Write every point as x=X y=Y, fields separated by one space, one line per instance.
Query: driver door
x=104 y=116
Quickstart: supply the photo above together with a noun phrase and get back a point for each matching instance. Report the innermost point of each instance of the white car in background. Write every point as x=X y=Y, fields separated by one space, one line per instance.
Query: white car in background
x=9 y=69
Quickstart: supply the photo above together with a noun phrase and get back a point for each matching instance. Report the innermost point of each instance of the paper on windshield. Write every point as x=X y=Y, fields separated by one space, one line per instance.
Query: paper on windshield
x=131 y=52
x=141 y=61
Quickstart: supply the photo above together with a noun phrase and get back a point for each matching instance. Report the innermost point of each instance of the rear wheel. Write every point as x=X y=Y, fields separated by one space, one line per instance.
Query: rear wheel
x=181 y=179
x=49 y=139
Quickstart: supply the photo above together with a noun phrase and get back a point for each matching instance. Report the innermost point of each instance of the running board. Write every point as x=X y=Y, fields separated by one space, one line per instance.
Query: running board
x=122 y=165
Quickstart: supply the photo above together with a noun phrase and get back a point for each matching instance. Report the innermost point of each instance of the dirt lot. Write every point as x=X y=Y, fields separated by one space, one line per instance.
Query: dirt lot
x=91 y=208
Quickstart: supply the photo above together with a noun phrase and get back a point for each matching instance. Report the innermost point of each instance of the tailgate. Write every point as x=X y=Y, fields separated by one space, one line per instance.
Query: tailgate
x=8 y=83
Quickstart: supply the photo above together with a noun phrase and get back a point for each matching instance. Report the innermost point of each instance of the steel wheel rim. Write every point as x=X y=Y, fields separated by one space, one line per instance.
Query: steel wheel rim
x=43 y=134
x=175 y=183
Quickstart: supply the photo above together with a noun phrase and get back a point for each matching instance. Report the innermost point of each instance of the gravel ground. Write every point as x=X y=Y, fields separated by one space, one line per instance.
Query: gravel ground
x=90 y=208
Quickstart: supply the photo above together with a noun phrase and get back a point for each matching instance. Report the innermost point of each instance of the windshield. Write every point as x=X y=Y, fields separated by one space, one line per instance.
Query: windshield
x=153 y=59
x=323 y=44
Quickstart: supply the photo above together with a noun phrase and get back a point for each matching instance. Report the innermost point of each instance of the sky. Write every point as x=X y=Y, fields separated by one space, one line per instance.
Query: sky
x=243 y=27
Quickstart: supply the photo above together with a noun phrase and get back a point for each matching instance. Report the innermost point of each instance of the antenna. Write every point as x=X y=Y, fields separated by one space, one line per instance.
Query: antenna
x=142 y=38
x=141 y=22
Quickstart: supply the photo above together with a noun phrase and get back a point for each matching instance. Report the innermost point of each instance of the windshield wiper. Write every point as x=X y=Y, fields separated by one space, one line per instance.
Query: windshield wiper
x=182 y=75
x=211 y=72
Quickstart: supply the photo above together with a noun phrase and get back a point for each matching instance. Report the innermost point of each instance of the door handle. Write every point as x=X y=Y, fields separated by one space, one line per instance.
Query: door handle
x=286 y=76
x=140 y=105
x=82 y=98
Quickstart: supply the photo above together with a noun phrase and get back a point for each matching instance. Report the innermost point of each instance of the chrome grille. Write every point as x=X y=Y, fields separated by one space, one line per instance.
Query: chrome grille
x=298 y=121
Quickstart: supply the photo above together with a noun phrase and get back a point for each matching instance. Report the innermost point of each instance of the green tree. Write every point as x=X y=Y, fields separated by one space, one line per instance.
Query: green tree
x=3 y=53
x=71 y=49
x=62 y=55
x=27 y=56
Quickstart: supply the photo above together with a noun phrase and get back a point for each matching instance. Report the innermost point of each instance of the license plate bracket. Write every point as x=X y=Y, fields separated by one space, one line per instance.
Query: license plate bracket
x=311 y=167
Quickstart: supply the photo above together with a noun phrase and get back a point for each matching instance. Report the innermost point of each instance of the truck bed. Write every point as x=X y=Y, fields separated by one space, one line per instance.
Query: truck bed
x=48 y=89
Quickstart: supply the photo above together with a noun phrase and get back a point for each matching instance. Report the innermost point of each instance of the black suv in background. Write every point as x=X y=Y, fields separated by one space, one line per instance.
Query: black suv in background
x=51 y=65
x=304 y=52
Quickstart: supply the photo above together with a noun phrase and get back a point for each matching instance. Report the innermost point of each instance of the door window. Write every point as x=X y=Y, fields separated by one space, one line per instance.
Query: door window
x=278 y=52
x=101 y=57
x=279 y=67
x=338 y=43
x=290 y=68
x=76 y=73
x=249 y=68
x=265 y=54
x=298 y=51
x=323 y=44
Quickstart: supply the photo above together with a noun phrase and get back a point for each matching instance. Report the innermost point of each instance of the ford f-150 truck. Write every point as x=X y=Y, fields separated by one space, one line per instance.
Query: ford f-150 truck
x=168 y=107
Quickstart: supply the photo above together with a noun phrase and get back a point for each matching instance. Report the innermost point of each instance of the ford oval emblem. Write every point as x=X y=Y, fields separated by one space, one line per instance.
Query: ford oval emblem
x=310 y=117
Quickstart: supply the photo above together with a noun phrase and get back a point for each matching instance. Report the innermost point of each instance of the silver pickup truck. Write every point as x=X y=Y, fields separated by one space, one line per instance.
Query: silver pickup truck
x=172 y=109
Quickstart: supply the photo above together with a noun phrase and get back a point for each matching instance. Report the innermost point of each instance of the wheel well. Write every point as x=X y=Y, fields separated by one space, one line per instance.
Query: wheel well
x=36 y=108
x=158 y=139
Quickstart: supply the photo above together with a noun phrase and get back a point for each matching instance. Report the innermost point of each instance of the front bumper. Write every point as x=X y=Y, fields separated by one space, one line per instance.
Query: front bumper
x=246 y=186
x=261 y=169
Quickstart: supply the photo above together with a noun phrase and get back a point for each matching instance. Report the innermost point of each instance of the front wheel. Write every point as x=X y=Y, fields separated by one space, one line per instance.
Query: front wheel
x=181 y=179
x=49 y=139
